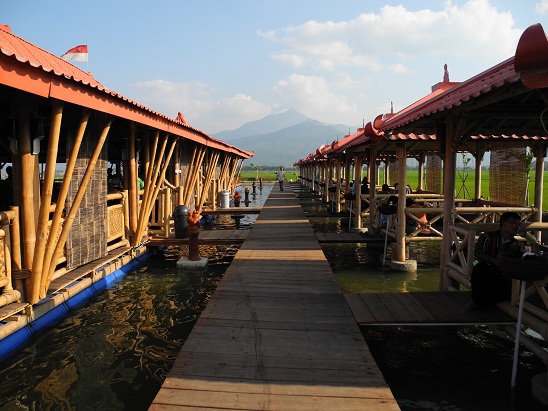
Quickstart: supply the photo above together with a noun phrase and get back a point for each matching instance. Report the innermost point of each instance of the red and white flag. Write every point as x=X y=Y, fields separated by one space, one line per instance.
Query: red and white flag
x=78 y=53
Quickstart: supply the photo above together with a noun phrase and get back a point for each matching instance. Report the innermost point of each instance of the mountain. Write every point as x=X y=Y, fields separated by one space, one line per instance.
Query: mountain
x=268 y=124
x=283 y=138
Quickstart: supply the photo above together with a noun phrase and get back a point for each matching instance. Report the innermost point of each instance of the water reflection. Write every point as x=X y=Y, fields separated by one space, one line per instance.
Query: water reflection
x=114 y=352
x=359 y=268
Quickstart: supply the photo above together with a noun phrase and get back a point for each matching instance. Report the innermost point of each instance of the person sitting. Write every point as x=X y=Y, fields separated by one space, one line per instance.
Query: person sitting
x=411 y=224
x=489 y=284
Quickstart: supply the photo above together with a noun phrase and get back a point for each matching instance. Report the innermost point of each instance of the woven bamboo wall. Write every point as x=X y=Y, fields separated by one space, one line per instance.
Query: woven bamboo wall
x=87 y=240
x=433 y=174
x=507 y=175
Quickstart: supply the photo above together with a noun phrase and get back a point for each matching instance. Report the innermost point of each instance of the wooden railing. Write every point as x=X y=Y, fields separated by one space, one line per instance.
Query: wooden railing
x=117 y=220
x=458 y=270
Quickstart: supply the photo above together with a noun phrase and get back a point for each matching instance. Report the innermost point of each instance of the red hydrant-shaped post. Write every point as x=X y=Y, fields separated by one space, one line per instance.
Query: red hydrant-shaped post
x=193 y=231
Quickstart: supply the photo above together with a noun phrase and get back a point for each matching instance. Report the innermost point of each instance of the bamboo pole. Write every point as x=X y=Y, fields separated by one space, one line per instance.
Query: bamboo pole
x=148 y=187
x=193 y=175
x=188 y=174
x=76 y=203
x=212 y=164
x=187 y=180
x=133 y=190
x=373 y=177
x=401 y=154
x=449 y=172
x=539 y=185
x=26 y=173
x=161 y=176
x=57 y=220
x=45 y=203
x=150 y=184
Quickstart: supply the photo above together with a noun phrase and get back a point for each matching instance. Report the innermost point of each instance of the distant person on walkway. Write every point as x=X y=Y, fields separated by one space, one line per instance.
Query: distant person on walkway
x=281 y=178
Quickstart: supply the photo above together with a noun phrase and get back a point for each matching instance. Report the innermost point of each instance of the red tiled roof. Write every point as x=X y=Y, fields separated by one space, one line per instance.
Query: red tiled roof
x=441 y=100
x=88 y=92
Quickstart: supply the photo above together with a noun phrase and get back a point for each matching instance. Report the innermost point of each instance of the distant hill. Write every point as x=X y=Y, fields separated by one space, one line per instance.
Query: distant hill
x=268 y=124
x=283 y=139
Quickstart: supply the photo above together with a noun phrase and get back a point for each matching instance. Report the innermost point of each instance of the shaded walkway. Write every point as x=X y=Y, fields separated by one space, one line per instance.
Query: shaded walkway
x=277 y=333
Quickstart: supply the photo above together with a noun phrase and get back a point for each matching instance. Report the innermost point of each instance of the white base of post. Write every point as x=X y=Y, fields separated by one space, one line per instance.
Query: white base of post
x=184 y=262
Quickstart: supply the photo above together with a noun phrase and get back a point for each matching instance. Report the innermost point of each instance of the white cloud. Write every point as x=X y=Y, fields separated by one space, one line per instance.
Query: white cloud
x=541 y=7
x=200 y=104
x=316 y=98
x=374 y=40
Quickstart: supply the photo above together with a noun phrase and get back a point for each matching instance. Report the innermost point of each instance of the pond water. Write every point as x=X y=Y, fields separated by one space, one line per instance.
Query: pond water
x=114 y=351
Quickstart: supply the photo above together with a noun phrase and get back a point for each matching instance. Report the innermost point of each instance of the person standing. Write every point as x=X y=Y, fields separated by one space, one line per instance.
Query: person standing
x=281 y=178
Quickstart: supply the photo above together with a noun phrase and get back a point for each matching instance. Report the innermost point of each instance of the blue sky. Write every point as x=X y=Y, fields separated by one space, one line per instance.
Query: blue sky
x=227 y=62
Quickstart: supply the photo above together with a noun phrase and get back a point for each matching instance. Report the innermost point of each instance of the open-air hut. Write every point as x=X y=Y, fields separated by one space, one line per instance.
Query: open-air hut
x=503 y=111
x=65 y=224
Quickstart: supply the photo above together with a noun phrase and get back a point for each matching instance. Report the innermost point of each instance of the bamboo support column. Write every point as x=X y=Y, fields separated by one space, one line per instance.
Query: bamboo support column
x=449 y=173
x=26 y=175
x=338 y=185
x=347 y=164
x=76 y=204
x=149 y=188
x=210 y=173
x=539 y=186
x=373 y=176
x=57 y=221
x=158 y=185
x=193 y=174
x=401 y=154
x=420 y=185
x=133 y=190
x=45 y=203
x=478 y=155
x=357 y=190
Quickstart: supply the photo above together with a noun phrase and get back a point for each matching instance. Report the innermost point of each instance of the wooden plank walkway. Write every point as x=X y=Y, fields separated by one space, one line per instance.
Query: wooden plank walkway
x=422 y=308
x=277 y=333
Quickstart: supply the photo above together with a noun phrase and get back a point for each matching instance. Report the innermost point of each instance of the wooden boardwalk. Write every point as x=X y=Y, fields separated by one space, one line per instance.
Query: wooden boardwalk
x=277 y=333
x=422 y=308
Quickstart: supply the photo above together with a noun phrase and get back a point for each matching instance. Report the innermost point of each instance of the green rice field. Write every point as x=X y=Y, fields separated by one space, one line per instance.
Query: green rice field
x=464 y=190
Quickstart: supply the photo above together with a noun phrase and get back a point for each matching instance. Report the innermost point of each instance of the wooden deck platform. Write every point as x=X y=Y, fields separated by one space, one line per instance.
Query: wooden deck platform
x=205 y=237
x=422 y=308
x=277 y=333
x=227 y=237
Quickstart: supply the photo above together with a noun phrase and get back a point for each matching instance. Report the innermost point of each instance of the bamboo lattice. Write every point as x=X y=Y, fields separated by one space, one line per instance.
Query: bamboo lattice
x=507 y=175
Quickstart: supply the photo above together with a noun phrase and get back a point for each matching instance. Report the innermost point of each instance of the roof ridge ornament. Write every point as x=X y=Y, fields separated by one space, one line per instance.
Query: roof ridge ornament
x=445 y=74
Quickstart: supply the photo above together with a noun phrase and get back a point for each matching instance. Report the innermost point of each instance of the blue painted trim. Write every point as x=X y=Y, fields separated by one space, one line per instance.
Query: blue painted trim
x=15 y=341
